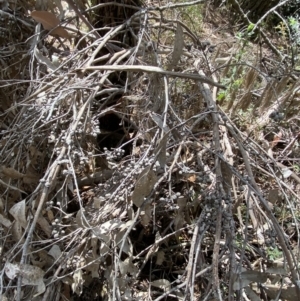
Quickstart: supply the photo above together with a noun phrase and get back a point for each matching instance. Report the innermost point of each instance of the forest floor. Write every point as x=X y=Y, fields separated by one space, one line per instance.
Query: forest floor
x=154 y=159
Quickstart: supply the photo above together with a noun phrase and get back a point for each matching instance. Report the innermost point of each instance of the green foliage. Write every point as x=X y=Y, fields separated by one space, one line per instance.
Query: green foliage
x=250 y=27
x=274 y=253
x=293 y=23
x=296 y=168
x=295 y=29
x=237 y=83
x=289 y=29
x=235 y=77
x=221 y=95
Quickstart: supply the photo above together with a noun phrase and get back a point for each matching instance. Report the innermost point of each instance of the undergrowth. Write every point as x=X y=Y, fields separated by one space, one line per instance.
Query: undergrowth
x=152 y=158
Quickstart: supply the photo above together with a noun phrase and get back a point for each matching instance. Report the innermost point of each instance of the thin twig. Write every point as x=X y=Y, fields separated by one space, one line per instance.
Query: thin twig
x=156 y=70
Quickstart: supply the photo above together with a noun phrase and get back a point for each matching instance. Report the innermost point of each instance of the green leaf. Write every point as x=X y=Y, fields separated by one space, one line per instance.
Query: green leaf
x=250 y=27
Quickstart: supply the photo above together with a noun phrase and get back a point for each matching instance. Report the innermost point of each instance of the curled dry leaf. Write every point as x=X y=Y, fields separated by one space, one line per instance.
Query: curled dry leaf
x=18 y=212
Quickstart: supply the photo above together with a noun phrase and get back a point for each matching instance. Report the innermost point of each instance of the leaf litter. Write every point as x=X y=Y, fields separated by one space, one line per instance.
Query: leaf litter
x=123 y=178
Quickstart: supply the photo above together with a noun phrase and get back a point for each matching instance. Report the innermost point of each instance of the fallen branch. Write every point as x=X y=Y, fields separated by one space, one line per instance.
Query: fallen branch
x=157 y=70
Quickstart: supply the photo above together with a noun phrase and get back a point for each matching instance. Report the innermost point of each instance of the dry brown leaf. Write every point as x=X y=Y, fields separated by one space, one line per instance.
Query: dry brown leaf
x=60 y=31
x=11 y=173
x=48 y=20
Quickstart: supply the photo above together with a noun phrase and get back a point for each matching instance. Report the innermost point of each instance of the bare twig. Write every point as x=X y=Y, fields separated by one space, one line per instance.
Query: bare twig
x=157 y=70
